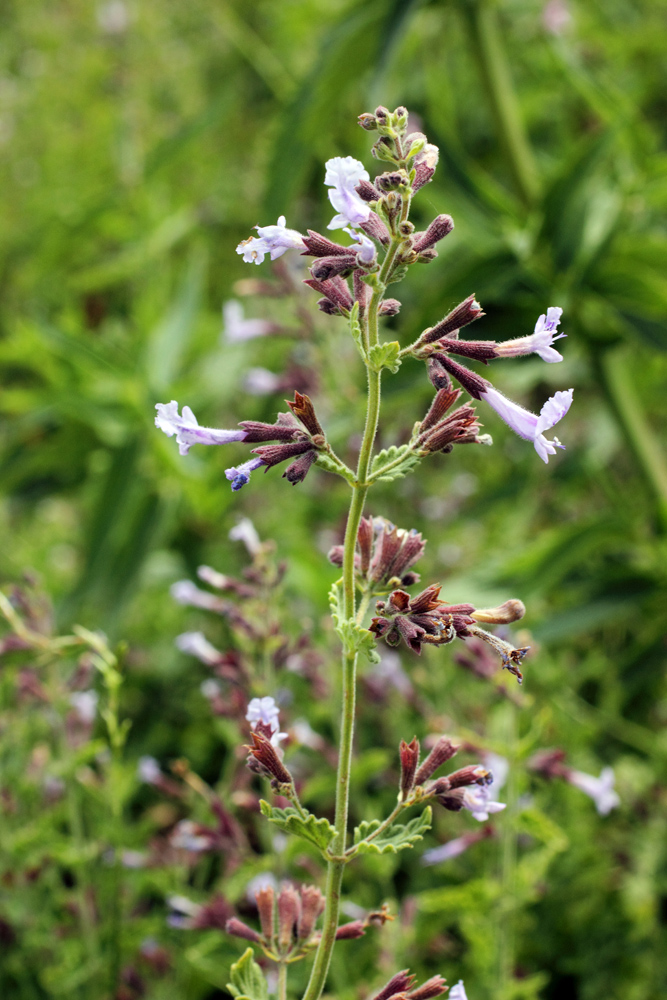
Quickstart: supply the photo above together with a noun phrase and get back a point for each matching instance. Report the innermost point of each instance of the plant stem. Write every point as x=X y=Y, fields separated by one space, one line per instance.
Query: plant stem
x=506 y=911
x=282 y=981
x=485 y=36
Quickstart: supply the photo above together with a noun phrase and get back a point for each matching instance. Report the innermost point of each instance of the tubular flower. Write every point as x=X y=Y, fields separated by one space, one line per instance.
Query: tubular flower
x=188 y=431
x=343 y=173
x=539 y=342
x=274 y=240
x=236 y=328
x=600 y=790
x=239 y=475
x=528 y=425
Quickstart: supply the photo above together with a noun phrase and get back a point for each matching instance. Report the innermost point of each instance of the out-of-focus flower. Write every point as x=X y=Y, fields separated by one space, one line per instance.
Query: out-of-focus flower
x=600 y=790
x=539 y=342
x=113 y=17
x=343 y=173
x=210 y=688
x=239 y=475
x=188 y=431
x=453 y=848
x=478 y=800
x=196 y=644
x=274 y=240
x=556 y=16
x=236 y=328
x=261 y=382
x=458 y=992
x=148 y=770
x=529 y=425
x=246 y=532
x=186 y=592
x=84 y=704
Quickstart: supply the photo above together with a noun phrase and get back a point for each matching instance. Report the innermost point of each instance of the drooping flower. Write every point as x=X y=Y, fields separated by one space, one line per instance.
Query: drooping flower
x=274 y=240
x=236 y=328
x=539 y=342
x=367 y=252
x=196 y=644
x=239 y=475
x=600 y=790
x=188 y=431
x=529 y=425
x=343 y=173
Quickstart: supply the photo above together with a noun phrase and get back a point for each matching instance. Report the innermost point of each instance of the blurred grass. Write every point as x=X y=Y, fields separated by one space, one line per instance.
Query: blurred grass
x=136 y=157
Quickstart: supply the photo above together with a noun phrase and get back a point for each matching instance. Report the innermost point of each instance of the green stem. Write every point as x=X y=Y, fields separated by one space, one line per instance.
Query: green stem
x=487 y=44
x=612 y=370
x=506 y=912
x=282 y=981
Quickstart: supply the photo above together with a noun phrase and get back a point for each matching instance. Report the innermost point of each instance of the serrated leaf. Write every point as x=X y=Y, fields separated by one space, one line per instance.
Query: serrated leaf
x=401 y=459
x=318 y=831
x=247 y=980
x=397 y=838
x=354 y=637
x=385 y=356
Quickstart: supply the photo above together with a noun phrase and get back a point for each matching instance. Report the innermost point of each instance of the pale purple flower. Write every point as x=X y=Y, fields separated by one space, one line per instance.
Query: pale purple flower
x=499 y=768
x=148 y=770
x=236 y=328
x=343 y=173
x=539 y=342
x=477 y=798
x=274 y=240
x=246 y=532
x=84 y=704
x=187 y=430
x=446 y=852
x=457 y=991
x=601 y=789
x=261 y=382
x=367 y=251
x=186 y=592
x=266 y=711
x=528 y=425
x=239 y=475
x=184 y=837
x=196 y=644
x=210 y=688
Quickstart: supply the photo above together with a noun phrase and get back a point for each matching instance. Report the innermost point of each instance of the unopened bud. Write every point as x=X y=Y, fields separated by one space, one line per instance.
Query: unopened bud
x=239 y=929
x=289 y=906
x=466 y=312
x=347 y=932
x=298 y=470
x=409 y=754
x=391 y=181
x=376 y=229
x=510 y=611
x=473 y=774
x=367 y=192
x=266 y=756
x=312 y=904
x=443 y=751
x=399 y=983
x=368 y=122
x=264 y=898
x=303 y=408
x=431 y=988
x=441 y=226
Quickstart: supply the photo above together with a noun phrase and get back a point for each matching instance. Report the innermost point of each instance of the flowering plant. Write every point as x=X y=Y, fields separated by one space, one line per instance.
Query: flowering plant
x=375 y=557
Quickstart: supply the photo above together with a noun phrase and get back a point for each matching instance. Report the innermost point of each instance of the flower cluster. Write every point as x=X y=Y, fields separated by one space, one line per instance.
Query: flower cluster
x=384 y=554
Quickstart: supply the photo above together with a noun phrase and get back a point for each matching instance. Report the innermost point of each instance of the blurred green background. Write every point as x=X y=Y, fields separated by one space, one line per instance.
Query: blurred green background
x=140 y=142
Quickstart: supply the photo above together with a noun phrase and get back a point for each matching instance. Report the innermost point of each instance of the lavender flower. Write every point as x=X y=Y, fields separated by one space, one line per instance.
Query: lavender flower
x=601 y=789
x=458 y=992
x=274 y=240
x=187 y=430
x=539 y=342
x=148 y=770
x=84 y=704
x=367 y=251
x=239 y=475
x=477 y=798
x=343 y=173
x=186 y=592
x=265 y=712
x=196 y=644
x=446 y=852
x=246 y=532
x=261 y=382
x=236 y=328
x=528 y=425
x=210 y=688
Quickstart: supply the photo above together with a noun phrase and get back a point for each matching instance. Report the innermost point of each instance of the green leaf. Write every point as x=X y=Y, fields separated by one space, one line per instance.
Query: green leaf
x=318 y=831
x=385 y=356
x=354 y=637
x=247 y=983
x=397 y=838
x=355 y=329
x=404 y=458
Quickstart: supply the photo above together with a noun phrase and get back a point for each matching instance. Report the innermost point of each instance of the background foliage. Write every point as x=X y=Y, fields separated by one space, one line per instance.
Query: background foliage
x=140 y=143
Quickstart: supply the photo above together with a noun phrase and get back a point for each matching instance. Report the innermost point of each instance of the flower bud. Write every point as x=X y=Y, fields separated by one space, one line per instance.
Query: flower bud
x=347 y=932
x=466 y=312
x=376 y=229
x=312 y=904
x=473 y=774
x=399 y=983
x=303 y=409
x=329 y=267
x=266 y=756
x=510 y=611
x=335 y=289
x=409 y=754
x=367 y=191
x=390 y=307
x=365 y=536
x=321 y=246
x=239 y=929
x=443 y=751
x=289 y=906
x=439 y=228
x=264 y=898
x=431 y=988
x=391 y=181
x=368 y=122
x=298 y=470
x=438 y=375
x=444 y=400
x=472 y=383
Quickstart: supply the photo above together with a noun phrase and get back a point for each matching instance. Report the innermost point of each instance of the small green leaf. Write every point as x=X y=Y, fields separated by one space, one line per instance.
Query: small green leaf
x=385 y=356
x=354 y=637
x=355 y=329
x=318 y=831
x=247 y=983
x=401 y=459
x=397 y=838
